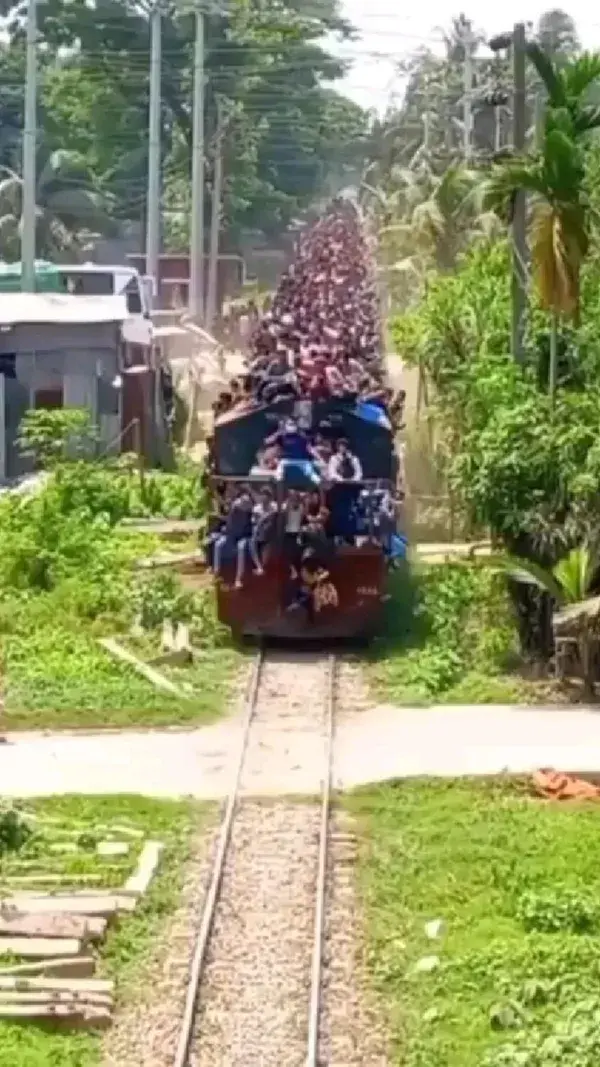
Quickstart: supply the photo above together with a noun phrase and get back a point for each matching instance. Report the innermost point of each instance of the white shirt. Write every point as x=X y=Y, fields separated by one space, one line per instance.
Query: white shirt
x=335 y=468
x=293 y=519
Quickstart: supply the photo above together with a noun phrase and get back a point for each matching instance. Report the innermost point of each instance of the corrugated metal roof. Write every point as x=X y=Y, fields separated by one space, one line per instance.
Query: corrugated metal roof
x=60 y=309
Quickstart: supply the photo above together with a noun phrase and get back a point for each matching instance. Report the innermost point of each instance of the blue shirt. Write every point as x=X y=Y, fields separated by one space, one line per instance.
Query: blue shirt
x=293 y=445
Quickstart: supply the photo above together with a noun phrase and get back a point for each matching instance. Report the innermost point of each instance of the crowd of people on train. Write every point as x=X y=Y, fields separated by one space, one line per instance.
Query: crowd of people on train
x=319 y=340
x=250 y=520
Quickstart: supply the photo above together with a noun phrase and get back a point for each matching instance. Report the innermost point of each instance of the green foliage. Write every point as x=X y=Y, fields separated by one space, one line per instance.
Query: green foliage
x=162 y=598
x=292 y=139
x=67 y=577
x=514 y=882
x=523 y=467
x=14 y=830
x=449 y=637
x=48 y=437
x=549 y=912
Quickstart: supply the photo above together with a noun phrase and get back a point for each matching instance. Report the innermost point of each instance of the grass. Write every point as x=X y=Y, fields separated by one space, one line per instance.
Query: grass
x=53 y=672
x=60 y=677
x=515 y=882
x=450 y=638
x=130 y=943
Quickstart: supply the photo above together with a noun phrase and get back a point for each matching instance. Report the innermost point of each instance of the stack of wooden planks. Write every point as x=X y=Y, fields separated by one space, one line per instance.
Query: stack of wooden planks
x=56 y=937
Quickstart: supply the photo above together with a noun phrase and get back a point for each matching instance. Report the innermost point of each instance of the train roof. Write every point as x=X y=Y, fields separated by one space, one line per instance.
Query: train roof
x=239 y=435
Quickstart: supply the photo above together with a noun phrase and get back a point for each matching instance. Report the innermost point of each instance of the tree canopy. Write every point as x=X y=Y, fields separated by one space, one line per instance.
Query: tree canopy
x=291 y=137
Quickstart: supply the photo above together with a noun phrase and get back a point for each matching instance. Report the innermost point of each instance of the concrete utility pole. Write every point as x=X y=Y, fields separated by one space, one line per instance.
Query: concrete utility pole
x=468 y=96
x=28 y=206
x=154 y=152
x=215 y=220
x=196 y=291
x=519 y=222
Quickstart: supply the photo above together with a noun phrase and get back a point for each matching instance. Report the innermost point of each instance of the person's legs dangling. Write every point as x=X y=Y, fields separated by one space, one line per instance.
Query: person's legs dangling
x=218 y=552
x=241 y=562
x=255 y=556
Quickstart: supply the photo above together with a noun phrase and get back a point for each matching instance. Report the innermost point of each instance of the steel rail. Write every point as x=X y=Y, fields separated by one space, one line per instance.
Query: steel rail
x=314 y=1013
x=212 y=897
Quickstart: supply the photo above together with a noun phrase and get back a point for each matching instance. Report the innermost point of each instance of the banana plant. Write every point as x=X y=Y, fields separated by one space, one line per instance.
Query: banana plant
x=568 y=584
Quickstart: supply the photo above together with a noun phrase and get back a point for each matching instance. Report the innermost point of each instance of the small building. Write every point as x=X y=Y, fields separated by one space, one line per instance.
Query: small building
x=61 y=350
x=172 y=288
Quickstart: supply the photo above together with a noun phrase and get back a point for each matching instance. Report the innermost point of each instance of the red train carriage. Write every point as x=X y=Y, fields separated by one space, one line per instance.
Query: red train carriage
x=349 y=585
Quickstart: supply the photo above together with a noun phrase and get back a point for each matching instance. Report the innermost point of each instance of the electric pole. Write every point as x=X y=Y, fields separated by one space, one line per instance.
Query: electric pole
x=519 y=224
x=196 y=289
x=28 y=216
x=215 y=220
x=468 y=94
x=154 y=153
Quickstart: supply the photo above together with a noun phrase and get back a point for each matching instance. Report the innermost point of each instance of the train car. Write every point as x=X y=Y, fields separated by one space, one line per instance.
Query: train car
x=322 y=575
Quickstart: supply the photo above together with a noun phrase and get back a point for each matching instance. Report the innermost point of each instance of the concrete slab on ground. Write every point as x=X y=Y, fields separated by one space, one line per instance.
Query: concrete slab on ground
x=382 y=743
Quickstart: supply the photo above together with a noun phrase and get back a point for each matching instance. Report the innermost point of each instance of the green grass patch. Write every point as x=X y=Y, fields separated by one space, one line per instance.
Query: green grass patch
x=55 y=674
x=130 y=943
x=68 y=577
x=515 y=882
x=449 y=637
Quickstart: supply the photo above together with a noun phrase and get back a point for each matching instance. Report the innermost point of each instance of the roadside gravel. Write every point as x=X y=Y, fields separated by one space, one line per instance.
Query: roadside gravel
x=352 y=1033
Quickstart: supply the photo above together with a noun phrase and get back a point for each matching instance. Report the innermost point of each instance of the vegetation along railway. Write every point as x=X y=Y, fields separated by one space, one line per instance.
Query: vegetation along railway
x=255 y=993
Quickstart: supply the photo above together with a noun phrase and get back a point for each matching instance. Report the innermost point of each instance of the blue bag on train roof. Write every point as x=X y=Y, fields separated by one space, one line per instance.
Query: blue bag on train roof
x=373 y=413
x=298 y=474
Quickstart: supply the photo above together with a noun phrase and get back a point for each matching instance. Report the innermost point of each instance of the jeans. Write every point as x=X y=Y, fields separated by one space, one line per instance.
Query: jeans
x=240 y=546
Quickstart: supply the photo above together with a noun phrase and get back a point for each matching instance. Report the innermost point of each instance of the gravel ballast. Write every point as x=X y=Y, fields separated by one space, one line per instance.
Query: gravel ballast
x=254 y=999
x=255 y=994
x=146 y=1029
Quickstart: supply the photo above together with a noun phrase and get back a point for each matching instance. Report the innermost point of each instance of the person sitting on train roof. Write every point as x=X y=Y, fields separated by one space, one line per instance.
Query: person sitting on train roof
x=321 y=451
x=264 y=519
x=236 y=537
x=292 y=441
x=293 y=513
x=267 y=461
x=344 y=466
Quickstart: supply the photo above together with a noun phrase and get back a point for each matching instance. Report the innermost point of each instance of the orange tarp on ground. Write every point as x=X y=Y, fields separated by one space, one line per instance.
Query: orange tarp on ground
x=554 y=785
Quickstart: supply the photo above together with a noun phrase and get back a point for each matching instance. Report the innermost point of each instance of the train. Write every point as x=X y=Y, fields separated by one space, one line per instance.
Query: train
x=328 y=506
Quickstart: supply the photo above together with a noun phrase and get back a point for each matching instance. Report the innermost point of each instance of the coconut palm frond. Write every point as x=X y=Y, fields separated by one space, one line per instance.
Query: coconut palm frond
x=548 y=74
x=499 y=188
x=586 y=120
x=575 y=573
x=579 y=75
x=557 y=252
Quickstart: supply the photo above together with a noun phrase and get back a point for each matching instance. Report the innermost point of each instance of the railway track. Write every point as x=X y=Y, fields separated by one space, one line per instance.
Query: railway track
x=255 y=992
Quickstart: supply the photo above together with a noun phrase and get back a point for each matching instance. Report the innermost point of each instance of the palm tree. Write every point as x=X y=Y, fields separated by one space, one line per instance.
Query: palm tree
x=69 y=209
x=559 y=217
x=433 y=218
x=568 y=584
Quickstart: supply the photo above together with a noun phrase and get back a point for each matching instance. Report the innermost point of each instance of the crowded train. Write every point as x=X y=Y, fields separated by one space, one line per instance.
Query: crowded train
x=304 y=475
